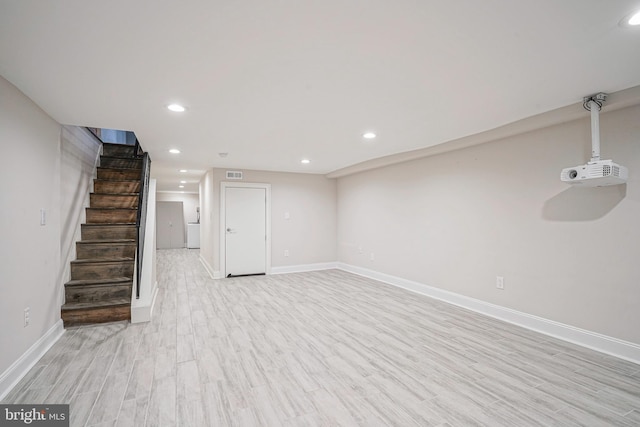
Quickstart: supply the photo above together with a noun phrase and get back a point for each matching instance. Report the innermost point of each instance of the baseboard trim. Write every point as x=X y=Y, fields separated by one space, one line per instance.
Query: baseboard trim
x=592 y=340
x=142 y=312
x=20 y=367
x=212 y=273
x=301 y=268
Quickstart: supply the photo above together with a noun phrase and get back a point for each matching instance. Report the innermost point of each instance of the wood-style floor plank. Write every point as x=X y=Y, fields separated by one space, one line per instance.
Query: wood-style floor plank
x=324 y=348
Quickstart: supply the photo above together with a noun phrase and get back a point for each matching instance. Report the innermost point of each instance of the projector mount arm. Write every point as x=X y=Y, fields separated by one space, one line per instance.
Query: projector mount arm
x=594 y=103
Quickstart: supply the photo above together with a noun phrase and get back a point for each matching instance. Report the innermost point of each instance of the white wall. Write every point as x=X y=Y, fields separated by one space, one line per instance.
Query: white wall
x=142 y=307
x=79 y=153
x=29 y=252
x=208 y=222
x=457 y=220
x=310 y=232
x=190 y=201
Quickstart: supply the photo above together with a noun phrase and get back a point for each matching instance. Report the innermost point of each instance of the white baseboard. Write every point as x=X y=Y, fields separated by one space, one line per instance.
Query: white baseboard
x=20 y=367
x=593 y=340
x=304 y=267
x=212 y=273
x=141 y=311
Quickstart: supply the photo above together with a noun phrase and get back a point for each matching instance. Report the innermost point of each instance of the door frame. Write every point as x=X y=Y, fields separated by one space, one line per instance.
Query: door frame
x=223 y=219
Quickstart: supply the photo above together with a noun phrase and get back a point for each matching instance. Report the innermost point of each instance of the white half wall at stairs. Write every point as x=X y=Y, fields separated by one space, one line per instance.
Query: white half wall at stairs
x=142 y=308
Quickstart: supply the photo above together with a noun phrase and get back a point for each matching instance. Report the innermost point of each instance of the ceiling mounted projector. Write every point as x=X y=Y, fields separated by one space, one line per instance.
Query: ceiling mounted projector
x=596 y=173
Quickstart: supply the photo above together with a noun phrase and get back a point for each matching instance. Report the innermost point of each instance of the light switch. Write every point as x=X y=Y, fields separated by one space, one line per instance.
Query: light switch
x=286 y=215
x=43 y=217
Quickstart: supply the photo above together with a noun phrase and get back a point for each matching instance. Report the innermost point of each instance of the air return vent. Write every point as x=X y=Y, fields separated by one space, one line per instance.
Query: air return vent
x=234 y=175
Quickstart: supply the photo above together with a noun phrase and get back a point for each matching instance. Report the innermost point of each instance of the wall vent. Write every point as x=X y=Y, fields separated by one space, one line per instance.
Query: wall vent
x=234 y=175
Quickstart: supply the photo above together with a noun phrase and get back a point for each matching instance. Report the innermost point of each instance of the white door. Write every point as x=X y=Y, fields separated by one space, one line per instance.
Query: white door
x=245 y=231
x=169 y=225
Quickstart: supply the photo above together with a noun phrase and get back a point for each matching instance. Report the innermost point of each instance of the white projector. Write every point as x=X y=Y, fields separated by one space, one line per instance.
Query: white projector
x=598 y=173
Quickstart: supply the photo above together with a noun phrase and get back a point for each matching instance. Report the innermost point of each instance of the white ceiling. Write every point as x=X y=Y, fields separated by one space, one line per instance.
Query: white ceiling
x=272 y=82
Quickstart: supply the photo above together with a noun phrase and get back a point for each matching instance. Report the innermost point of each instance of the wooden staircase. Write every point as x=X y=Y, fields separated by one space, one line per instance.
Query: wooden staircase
x=102 y=274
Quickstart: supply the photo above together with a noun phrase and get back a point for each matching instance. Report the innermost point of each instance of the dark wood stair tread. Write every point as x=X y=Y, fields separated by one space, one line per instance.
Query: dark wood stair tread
x=100 y=260
x=119 y=145
x=120 y=156
x=129 y=181
x=98 y=241
x=114 y=302
x=109 y=224
x=121 y=171
x=118 y=169
x=113 y=209
x=116 y=194
x=99 y=282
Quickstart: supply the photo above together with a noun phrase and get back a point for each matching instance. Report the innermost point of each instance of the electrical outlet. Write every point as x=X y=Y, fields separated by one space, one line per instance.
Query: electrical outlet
x=500 y=282
x=360 y=250
x=286 y=252
x=372 y=257
x=27 y=316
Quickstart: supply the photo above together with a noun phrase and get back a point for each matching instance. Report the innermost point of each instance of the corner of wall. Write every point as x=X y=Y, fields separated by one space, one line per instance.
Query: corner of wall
x=18 y=369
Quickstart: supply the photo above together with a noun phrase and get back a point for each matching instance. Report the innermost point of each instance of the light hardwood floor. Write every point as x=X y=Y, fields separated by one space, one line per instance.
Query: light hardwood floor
x=322 y=348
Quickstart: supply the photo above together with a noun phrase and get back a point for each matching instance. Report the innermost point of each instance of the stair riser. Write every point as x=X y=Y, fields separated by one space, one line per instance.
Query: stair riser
x=96 y=293
x=103 y=232
x=118 y=150
x=99 y=315
x=118 y=174
x=116 y=187
x=115 y=162
x=105 y=250
x=101 y=270
x=110 y=216
x=113 y=201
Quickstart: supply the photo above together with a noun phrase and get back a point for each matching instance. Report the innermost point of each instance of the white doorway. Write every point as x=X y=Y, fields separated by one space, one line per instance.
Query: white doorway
x=245 y=235
x=169 y=225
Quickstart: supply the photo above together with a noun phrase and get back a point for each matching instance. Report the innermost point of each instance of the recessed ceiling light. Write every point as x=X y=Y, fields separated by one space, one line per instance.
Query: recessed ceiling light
x=369 y=135
x=305 y=161
x=183 y=170
x=177 y=108
x=180 y=186
x=183 y=182
x=631 y=20
x=174 y=151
